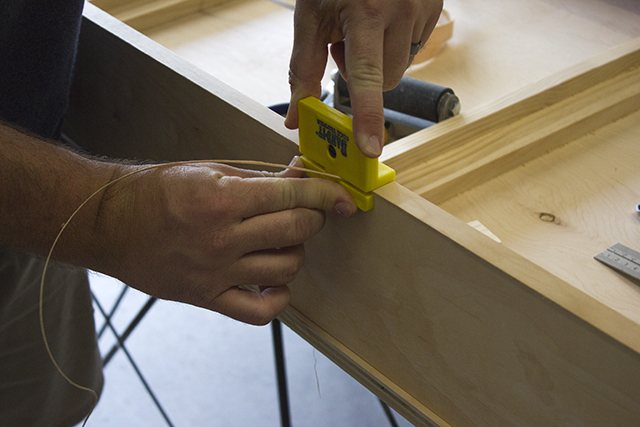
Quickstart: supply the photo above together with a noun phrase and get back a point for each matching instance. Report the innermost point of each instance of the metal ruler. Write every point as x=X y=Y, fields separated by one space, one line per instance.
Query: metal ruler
x=622 y=259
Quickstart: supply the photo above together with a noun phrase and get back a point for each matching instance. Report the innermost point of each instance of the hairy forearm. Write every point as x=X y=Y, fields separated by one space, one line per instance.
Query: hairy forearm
x=41 y=184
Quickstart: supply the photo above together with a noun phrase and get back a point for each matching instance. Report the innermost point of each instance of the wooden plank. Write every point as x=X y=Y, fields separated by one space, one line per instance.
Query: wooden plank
x=359 y=369
x=158 y=106
x=246 y=44
x=564 y=207
x=408 y=296
x=450 y=134
x=499 y=47
x=145 y=14
x=440 y=312
x=473 y=152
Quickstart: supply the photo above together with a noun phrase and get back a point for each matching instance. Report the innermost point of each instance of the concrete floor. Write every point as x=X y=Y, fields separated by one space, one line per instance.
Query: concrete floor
x=208 y=370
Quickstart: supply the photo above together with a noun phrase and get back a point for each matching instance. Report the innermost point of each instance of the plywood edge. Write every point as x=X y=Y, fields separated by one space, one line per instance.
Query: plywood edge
x=563 y=294
x=420 y=146
x=361 y=371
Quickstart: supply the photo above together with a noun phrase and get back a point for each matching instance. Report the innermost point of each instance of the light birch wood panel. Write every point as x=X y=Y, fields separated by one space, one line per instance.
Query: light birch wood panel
x=439 y=310
x=150 y=109
x=144 y=14
x=590 y=187
x=445 y=324
x=500 y=46
x=246 y=44
x=464 y=151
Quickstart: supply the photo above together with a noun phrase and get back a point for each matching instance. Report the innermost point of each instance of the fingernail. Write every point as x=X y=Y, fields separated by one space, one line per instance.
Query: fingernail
x=343 y=209
x=374 y=147
x=294 y=161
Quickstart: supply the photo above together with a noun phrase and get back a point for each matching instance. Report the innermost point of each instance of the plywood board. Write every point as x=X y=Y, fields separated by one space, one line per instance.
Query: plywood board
x=497 y=47
x=144 y=14
x=501 y=46
x=566 y=206
x=246 y=44
x=447 y=325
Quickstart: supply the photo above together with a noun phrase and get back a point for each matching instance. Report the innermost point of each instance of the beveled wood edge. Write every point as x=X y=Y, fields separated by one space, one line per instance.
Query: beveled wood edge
x=525 y=140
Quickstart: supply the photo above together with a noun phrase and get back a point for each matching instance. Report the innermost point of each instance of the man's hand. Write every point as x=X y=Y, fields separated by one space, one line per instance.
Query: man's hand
x=370 y=42
x=200 y=233
x=194 y=233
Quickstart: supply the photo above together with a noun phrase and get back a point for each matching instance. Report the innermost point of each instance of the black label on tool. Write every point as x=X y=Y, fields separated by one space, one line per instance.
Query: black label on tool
x=333 y=136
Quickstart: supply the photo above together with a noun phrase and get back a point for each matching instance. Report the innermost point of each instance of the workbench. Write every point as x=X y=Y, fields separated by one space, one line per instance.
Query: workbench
x=445 y=324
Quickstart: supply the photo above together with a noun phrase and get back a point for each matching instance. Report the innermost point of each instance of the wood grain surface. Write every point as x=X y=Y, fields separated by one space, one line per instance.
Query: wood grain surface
x=445 y=324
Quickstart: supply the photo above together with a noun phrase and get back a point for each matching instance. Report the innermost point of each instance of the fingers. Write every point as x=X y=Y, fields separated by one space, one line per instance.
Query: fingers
x=308 y=59
x=274 y=267
x=279 y=229
x=292 y=173
x=253 y=307
x=250 y=173
x=370 y=44
x=270 y=195
x=424 y=27
x=270 y=271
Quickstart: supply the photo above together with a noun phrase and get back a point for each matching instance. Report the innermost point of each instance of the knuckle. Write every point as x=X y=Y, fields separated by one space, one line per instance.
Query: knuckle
x=261 y=317
x=367 y=9
x=411 y=7
x=369 y=114
x=287 y=192
x=289 y=273
x=292 y=267
x=368 y=73
x=306 y=223
x=222 y=241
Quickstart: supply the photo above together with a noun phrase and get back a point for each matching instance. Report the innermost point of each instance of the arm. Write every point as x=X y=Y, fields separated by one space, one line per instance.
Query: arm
x=370 y=42
x=187 y=233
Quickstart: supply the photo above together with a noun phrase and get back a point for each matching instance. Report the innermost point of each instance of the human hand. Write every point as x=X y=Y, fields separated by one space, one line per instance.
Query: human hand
x=197 y=233
x=370 y=42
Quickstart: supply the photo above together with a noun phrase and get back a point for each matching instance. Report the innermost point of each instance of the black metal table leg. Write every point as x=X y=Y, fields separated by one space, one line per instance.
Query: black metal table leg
x=283 y=397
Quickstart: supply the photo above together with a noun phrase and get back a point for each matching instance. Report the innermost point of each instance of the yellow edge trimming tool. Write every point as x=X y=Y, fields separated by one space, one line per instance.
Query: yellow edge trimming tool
x=327 y=145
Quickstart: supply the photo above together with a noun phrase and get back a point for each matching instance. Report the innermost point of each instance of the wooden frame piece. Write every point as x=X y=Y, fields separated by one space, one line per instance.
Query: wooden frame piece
x=446 y=325
x=144 y=14
x=466 y=150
